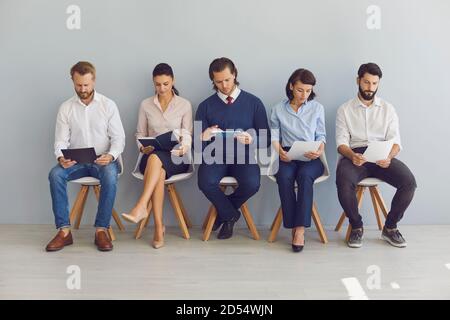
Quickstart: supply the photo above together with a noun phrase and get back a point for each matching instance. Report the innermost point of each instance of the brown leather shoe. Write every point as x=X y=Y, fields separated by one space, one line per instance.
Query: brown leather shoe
x=59 y=241
x=102 y=241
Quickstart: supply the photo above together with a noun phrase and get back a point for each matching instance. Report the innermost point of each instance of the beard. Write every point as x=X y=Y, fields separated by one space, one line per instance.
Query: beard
x=367 y=95
x=85 y=95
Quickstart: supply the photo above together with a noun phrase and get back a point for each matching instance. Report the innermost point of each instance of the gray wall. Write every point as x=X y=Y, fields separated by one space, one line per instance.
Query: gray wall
x=266 y=39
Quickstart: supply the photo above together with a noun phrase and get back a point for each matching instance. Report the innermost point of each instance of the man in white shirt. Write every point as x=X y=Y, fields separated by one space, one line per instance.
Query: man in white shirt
x=361 y=120
x=88 y=119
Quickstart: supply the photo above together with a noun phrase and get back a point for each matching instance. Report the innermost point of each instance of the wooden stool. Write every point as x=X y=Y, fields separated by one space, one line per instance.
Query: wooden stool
x=212 y=212
x=174 y=197
x=276 y=224
x=377 y=202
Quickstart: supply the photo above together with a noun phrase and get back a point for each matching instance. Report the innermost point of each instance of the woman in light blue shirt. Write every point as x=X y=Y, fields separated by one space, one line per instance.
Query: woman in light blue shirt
x=298 y=118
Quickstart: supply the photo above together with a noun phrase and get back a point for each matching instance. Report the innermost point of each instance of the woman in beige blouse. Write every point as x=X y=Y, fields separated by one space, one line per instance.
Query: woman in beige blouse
x=159 y=114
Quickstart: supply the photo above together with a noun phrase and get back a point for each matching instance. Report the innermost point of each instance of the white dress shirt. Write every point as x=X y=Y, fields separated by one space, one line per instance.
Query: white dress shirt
x=234 y=95
x=357 y=124
x=97 y=125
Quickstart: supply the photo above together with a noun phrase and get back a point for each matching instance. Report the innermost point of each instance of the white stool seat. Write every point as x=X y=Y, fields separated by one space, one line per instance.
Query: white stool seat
x=370 y=182
x=172 y=179
x=228 y=181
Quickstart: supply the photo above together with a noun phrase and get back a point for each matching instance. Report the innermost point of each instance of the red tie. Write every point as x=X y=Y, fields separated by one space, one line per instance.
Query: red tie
x=229 y=100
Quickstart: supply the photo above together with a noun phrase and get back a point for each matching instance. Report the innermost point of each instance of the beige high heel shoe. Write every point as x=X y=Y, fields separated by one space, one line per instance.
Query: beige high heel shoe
x=142 y=215
x=159 y=243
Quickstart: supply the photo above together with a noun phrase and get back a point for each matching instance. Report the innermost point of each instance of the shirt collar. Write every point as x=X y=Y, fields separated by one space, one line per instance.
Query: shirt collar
x=96 y=98
x=234 y=94
x=156 y=101
x=287 y=105
x=358 y=103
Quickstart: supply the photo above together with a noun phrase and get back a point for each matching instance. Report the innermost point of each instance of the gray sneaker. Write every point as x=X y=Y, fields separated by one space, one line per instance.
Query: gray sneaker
x=394 y=237
x=356 y=237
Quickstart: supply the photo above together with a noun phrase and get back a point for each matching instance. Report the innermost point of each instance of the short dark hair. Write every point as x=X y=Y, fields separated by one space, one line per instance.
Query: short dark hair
x=166 y=70
x=371 y=68
x=304 y=76
x=82 y=67
x=219 y=65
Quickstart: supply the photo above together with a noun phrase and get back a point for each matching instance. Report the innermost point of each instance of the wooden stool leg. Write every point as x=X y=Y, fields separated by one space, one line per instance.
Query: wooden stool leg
x=377 y=194
x=376 y=208
x=276 y=224
x=208 y=215
x=349 y=230
x=76 y=205
x=114 y=213
x=178 y=213
x=111 y=234
x=340 y=222
x=85 y=191
x=183 y=210
x=250 y=222
x=144 y=222
x=212 y=216
x=318 y=223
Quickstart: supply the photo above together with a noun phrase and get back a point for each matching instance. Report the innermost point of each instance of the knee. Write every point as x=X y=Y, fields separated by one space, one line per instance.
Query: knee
x=56 y=174
x=153 y=159
x=250 y=185
x=207 y=185
x=108 y=175
x=284 y=178
x=409 y=183
x=305 y=177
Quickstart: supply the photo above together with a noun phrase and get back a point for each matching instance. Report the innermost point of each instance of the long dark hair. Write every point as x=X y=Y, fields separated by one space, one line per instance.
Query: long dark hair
x=304 y=76
x=166 y=70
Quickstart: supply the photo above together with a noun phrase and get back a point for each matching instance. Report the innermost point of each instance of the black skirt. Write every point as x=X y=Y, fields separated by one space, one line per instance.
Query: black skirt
x=168 y=165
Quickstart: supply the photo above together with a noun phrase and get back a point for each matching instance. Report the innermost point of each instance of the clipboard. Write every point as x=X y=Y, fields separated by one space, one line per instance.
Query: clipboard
x=80 y=155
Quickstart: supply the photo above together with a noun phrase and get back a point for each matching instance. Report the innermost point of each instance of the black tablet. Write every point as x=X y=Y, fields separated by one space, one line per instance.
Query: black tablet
x=80 y=155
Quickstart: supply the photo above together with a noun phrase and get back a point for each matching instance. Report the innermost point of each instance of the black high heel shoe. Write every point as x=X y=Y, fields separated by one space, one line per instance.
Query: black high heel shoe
x=295 y=247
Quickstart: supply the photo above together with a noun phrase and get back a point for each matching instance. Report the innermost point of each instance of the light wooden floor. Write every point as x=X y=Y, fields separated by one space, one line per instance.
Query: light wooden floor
x=239 y=268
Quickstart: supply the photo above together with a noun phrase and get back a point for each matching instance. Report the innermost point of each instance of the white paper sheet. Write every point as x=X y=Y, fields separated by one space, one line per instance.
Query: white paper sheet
x=299 y=148
x=378 y=150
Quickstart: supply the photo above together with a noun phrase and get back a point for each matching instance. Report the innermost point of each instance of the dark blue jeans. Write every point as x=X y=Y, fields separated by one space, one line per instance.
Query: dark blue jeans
x=58 y=178
x=247 y=176
x=297 y=208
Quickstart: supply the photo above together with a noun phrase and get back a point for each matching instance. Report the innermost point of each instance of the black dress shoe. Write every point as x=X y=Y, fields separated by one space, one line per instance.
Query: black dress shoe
x=227 y=228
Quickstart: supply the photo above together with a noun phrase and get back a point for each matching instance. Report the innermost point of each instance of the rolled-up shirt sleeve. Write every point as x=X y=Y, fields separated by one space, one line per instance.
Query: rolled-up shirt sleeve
x=342 y=131
x=141 y=129
x=274 y=125
x=186 y=127
x=320 y=134
x=115 y=132
x=62 y=131
x=393 y=129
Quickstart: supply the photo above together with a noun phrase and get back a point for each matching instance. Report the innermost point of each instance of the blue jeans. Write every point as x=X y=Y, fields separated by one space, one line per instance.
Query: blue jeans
x=58 y=178
x=297 y=209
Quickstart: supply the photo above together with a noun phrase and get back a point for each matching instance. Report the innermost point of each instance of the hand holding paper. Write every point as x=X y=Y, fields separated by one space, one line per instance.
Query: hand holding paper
x=378 y=150
x=300 y=148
